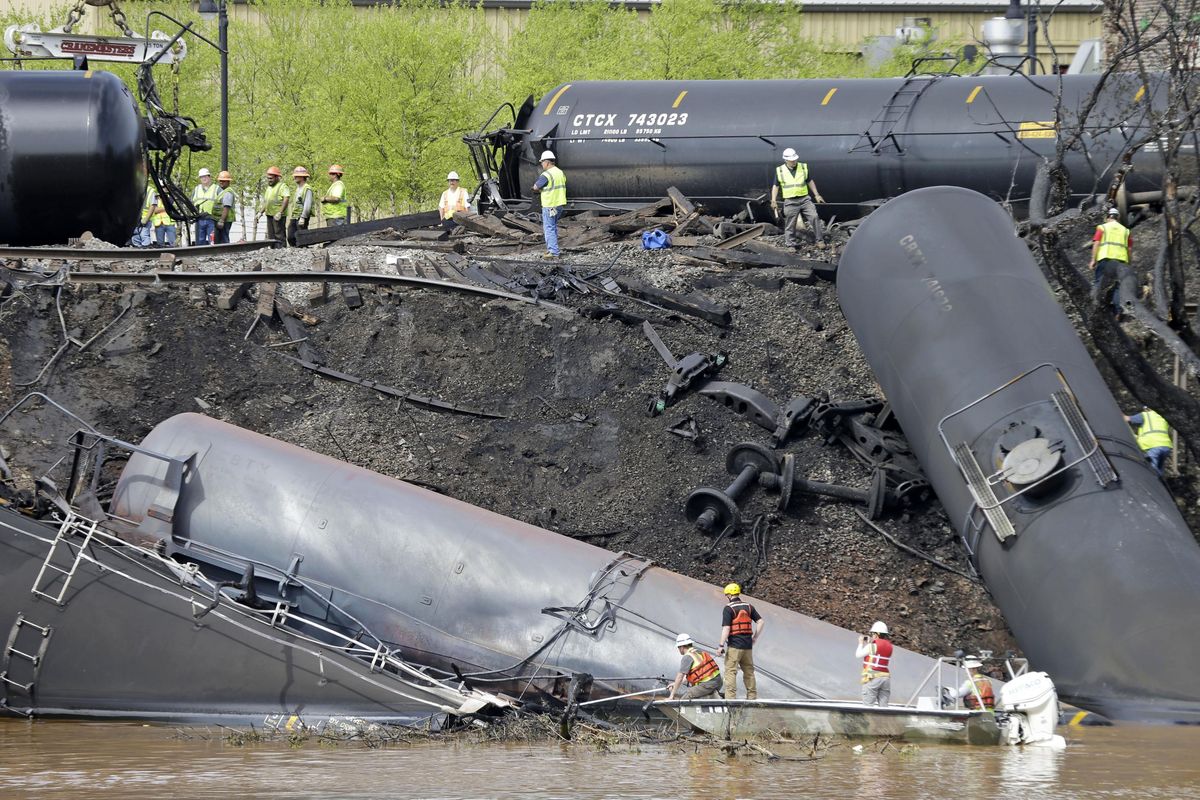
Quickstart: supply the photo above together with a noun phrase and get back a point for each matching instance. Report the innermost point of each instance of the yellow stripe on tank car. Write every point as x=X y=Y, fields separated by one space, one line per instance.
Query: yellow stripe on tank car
x=974 y=93
x=1078 y=718
x=679 y=99
x=1140 y=94
x=554 y=100
x=829 y=96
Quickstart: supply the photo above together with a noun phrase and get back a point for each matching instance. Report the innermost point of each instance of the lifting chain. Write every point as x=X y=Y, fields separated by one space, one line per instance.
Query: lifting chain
x=175 y=85
x=75 y=15
x=118 y=18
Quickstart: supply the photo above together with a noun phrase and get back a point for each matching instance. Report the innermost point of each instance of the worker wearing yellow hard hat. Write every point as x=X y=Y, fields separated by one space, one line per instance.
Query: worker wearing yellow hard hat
x=275 y=199
x=741 y=625
x=226 y=202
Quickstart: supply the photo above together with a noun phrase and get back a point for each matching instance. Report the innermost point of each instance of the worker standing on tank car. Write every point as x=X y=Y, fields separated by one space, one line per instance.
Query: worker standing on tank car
x=301 y=209
x=876 y=654
x=1112 y=247
x=741 y=626
x=334 y=203
x=799 y=191
x=275 y=200
x=1153 y=436
x=228 y=213
x=454 y=200
x=204 y=198
x=976 y=691
x=551 y=185
x=698 y=668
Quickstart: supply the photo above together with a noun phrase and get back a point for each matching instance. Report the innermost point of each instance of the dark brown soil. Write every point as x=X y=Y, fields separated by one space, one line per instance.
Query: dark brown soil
x=577 y=451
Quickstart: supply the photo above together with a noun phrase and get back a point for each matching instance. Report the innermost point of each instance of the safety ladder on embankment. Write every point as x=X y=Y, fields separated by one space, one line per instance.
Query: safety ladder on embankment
x=18 y=655
x=882 y=130
x=51 y=571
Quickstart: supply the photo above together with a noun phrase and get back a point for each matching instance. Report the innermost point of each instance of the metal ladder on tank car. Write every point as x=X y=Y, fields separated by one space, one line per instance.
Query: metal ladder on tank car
x=983 y=486
x=23 y=654
x=882 y=129
x=51 y=571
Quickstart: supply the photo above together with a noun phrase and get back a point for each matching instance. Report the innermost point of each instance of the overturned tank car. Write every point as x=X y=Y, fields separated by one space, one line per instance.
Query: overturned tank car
x=238 y=576
x=1078 y=540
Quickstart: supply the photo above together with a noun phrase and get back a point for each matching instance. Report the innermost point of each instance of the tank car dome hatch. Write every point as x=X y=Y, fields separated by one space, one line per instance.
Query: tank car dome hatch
x=1031 y=461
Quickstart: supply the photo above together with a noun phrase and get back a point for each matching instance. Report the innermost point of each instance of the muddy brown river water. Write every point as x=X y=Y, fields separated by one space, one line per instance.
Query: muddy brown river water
x=85 y=760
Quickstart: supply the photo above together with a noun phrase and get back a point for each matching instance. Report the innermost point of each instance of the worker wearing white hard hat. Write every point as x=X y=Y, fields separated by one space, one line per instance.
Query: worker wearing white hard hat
x=204 y=198
x=551 y=187
x=799 y=191
x=698 y=668
x=455 y=200
x=976 y=691
x=875 y=650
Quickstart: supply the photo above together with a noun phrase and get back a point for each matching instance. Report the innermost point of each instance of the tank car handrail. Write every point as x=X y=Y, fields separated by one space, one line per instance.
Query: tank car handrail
x=351 y=647
x=1089 y=452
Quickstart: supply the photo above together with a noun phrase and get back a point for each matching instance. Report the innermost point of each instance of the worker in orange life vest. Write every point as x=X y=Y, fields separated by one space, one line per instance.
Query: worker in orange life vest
x=876 y=654
x=741 y=626
x=976 y=690
x=698 y=668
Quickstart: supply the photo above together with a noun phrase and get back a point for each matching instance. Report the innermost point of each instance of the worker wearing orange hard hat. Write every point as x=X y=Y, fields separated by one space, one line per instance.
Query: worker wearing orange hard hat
x=275 y=200
x=334 y=205
x=225 y=202
x=301 y=208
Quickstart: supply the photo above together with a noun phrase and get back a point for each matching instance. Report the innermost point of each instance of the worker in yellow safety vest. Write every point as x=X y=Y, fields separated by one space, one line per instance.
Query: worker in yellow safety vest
x=164 y=227
x=334 y=203
x=799 y=190
x=454 y=200
x=1153 y=437
x=698 y=668
x=204 y=198
x=1112 y=247
x=275 y=200
x=303 y=203
x=143 y=234
x=227 y=207
x=551 y=187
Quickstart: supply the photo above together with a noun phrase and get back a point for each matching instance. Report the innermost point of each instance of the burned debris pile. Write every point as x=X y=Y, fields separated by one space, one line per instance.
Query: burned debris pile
x=591 y=394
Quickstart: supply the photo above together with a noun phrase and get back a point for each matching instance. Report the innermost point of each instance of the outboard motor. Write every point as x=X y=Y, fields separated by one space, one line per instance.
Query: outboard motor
x=1032 y=704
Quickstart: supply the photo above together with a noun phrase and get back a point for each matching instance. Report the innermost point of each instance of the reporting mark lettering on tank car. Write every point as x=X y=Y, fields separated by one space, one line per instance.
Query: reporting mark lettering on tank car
x=912 y=250
x=938 y=292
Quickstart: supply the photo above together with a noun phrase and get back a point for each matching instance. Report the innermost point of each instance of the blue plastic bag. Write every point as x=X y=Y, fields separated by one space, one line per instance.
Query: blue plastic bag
x=656 y=239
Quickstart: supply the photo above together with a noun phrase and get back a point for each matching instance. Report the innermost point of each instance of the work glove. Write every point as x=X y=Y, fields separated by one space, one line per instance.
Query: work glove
x=553 y=212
